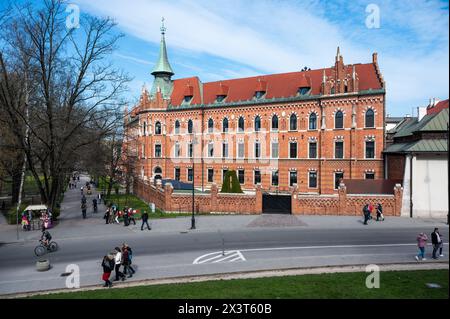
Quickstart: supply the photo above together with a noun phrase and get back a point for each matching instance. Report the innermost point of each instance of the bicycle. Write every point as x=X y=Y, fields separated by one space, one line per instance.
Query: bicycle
x=42 y=249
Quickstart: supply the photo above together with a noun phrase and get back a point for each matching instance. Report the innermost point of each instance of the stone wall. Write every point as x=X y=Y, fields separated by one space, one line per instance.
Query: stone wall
x=346 y=204
x=215 y=202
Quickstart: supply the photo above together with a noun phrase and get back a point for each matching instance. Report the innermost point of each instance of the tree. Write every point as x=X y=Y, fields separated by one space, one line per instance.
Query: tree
x=231 y=183
x=74 y=97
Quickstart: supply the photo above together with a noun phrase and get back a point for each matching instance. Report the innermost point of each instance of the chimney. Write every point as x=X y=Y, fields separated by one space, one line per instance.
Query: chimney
x=421 y=112
x=374 y=58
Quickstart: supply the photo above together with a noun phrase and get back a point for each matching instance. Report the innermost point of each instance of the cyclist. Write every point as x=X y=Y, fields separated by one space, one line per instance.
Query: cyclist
x=45 y=237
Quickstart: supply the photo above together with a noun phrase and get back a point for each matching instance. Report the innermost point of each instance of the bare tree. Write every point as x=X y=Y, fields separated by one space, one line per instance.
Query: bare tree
x=76 y=93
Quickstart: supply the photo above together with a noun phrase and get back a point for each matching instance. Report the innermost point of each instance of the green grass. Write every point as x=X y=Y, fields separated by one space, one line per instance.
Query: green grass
x=136 y=203
x=393 y=285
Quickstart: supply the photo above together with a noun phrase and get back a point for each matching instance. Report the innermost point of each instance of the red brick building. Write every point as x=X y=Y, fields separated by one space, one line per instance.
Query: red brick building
x=310 y=128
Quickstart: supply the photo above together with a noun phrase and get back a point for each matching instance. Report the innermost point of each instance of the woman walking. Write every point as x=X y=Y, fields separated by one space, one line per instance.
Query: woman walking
x=421 y=243
x=108 y=266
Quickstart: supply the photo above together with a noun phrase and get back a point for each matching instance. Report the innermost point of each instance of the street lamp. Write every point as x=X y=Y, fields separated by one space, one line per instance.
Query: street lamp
x=194 y=142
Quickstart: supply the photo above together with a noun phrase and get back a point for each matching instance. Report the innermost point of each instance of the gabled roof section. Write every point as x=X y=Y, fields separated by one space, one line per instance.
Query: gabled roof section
x=438 y=122
x=438 y=107
x=420 y=146
x=183 y=86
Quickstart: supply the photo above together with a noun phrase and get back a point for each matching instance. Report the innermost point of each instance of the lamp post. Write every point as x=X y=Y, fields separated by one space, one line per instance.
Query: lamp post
x=194 y=142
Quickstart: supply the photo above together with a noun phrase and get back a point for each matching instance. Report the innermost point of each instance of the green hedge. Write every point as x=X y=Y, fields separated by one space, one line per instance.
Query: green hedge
x=231 y=183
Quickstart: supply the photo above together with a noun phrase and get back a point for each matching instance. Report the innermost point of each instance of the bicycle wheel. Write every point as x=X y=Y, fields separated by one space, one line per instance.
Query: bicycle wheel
x=39 y=250
x=53 y=246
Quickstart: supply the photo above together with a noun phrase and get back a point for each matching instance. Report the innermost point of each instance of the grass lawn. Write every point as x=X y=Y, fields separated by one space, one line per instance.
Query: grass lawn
x=393 y=285
x=136 y=203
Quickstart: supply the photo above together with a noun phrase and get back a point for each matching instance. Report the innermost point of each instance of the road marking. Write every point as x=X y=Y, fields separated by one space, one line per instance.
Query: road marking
x=220 y=257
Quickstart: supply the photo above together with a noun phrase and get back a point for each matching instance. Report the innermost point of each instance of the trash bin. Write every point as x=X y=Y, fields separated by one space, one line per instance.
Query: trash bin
x=43 y=265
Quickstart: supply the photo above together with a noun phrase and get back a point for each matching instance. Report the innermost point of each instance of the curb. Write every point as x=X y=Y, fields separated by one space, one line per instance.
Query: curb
x=244 y=275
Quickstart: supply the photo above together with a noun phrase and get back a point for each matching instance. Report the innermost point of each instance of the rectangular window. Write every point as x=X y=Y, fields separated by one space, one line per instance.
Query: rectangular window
x=190 y=174
x=274 y=149
x=293 y=150
x=370 y=175
x=292 y=178
x=370 y=149
x=190 y=150
x=177 y=174
x=177 y=150
x=210 y=150
x=257 y=179
x=312 y=178
x=224 y=172
x=313 y=150
x=157 y=150
x=240 y=150
x=257 y=150
x=274 y=178
x=224 y=150
x=241 y=176
x=210 y=175
x=339 y=149
x=338 y=177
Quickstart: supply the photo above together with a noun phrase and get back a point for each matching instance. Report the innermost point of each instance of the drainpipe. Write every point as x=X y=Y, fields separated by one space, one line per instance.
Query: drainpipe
x=411 y=186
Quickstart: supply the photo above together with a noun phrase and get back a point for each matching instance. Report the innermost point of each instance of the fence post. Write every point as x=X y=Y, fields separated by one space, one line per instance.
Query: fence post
x=294 y=200
x=214 y=191
x=342 y=199
x=258 y=208
x=398 y=199
x=168 y=190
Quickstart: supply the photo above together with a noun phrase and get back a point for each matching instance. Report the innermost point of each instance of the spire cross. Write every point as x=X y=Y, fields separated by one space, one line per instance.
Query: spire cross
x=163 y=28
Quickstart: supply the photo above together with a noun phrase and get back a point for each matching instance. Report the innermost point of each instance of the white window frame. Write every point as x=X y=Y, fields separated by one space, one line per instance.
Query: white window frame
x=309 y=147
x=243 y=149
x=254 y=175
x=207 y=175
x=160 y=145
x=374 y=149
x=289 y=177
x=175 y=173
x=317 y=179
x=241 y=169
x=343 y=149
x=271 y=149
x=292 y=142
x=334 y=178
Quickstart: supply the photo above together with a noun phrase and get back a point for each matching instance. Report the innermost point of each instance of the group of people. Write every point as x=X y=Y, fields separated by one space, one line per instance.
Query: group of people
x=113 y=214
x=45 y=218
x=120 y=257
x=437 y=242
x=369 y=209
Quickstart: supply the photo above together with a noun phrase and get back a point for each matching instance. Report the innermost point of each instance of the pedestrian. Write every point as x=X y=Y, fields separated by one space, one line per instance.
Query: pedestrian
x=145 y=221
x=441 y=246
x=83 y=210
x=126 y=262
x=380 y=215
x=99 y=197
x=118 y=263
x=130 y=257
x=125 y=217
x=366 y=213
x=421 y=243
x=131 y=216
x=108 y=266
x=106 y=216
x=436 y=241
x=117 y=214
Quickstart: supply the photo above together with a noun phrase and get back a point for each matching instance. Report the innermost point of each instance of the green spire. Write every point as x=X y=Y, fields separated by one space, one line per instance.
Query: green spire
x=163 y=65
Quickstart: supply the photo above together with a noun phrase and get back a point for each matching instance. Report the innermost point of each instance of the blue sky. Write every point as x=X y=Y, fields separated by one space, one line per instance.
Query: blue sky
x=217 y=40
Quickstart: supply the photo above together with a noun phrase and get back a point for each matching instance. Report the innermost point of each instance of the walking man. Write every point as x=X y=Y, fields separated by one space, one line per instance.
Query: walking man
x=366 y=213
x=145 y=221
x=83 y=210
x=436 y=241
x=118 y=263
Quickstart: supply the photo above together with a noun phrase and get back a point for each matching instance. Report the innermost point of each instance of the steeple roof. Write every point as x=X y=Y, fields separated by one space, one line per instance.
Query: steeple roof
x=163 y=65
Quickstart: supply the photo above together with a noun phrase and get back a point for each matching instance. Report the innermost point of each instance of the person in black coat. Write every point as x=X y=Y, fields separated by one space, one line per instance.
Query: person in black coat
x=436 y=241
x=366 y=213
x=145 y=221
x=108 y=266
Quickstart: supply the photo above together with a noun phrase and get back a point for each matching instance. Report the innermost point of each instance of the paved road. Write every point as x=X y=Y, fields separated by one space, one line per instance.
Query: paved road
x=177 y=253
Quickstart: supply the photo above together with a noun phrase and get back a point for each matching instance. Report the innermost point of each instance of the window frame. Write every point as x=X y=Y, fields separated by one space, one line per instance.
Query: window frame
x=343 y=151
x=315 y=121
x=309 y=179
x=291 y=122
x=341 y=117
x=372 y=116
x=290 y=149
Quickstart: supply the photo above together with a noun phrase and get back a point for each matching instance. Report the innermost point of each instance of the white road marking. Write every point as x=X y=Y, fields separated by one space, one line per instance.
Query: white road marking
x=220 y=256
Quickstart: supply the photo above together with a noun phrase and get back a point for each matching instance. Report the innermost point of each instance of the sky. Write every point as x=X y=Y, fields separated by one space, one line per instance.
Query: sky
x=217 y=39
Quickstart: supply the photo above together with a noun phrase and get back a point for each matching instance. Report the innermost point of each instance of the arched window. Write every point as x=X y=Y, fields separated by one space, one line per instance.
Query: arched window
x=177 y=127
x=158 y=128
x=370 y=118
x=225 y=125
x=158 y=173
x=257 y=123
x=339 y=120
x=144 y=128
x=275 y=123
x=293 y=122
x=241 y=124
x=210 y=125
x=313 y=121
x=190 y=126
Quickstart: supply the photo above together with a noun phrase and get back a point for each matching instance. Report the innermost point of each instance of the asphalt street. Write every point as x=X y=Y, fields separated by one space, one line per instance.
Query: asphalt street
x=181 y=253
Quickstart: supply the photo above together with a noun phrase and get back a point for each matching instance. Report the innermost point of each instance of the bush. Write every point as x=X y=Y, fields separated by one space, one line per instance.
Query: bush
x=231 y=183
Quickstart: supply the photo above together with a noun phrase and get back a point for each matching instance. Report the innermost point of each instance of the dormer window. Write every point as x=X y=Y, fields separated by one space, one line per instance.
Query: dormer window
x=259 y=94
x=304 y=90
x=187 y=98
x=188 y=94
x=220 y=98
